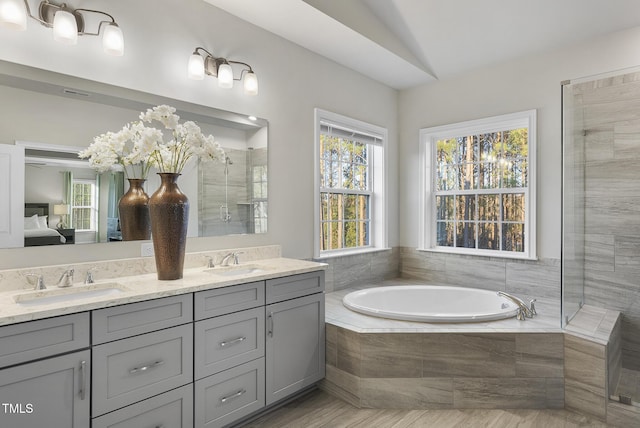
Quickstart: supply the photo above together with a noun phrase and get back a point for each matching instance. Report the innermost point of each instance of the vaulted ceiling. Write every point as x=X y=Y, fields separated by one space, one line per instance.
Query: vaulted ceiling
x=404 y=43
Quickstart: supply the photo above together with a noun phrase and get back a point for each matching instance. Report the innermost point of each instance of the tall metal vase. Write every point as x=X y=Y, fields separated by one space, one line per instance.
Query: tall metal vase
x=169 y=220
x=133 y=209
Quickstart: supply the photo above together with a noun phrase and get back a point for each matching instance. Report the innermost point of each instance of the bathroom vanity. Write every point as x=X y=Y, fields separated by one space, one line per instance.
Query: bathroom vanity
x=206 y=351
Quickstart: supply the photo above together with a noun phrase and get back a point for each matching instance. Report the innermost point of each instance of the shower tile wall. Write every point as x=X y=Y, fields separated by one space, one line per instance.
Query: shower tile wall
x=534 y=279
x=611 y=111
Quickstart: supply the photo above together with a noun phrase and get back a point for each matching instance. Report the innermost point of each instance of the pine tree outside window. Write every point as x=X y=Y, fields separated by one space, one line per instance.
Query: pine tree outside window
x=478 y=186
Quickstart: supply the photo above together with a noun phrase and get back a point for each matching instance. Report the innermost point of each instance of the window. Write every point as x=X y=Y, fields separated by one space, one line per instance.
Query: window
x=83 y=210
x=259 y=186
x=478 y=186
x=350 y=181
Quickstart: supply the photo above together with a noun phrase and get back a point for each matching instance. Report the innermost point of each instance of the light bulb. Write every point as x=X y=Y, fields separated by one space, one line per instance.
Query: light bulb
x=13 y=14
x=65 y=28
x=112 y=40
x=195 y=69
x=250 y=83
x=225 y=76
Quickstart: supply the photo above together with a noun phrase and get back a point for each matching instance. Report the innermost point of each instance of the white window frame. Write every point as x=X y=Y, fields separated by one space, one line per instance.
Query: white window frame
x=378 y=201
x=429 y=137
x=93 y=206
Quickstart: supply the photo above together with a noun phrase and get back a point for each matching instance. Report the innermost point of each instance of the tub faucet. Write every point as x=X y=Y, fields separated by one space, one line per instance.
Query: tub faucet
x=524 y=311
x=66 y=279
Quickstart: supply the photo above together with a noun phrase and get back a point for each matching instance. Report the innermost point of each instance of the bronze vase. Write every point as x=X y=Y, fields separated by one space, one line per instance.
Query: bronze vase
x=133 y=209
x=169 y=219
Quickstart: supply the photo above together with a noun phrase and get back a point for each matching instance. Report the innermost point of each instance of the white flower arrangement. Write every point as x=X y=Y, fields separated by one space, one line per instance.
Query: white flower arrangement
x=137 y=147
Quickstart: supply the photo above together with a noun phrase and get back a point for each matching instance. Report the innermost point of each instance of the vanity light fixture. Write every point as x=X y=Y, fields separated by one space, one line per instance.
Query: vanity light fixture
x=67 y=23
x=202 y=62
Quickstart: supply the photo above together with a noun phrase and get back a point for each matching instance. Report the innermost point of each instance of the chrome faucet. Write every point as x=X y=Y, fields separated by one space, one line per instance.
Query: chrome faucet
x=210 y=263
x=39 y=281
x=88 y=279
x=524 y=311
x=66 y=279
x=236 y=260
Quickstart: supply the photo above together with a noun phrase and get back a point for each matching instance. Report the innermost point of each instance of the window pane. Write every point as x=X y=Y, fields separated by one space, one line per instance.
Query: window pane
x=513 y=237
x=447 y=178
x=513 y=207
x=347 y=175
x=444 y=207
x=350 y=234
x=467 y=150
x=445 y=233
x=349 y=207
x=363 y=233
x=465 y=234
x=446 y=151
x=488 y=236
x=360 y=179
x=515 y=173
x=490 y=146
x=363 y=207
x=324 y=206
x=516 y=143
x=360 y=153
x=335 y=207
x=336 y=235
x=466 y=207
x=488 y=175
x=489 y=207
x=468 y=176
x=325 y=241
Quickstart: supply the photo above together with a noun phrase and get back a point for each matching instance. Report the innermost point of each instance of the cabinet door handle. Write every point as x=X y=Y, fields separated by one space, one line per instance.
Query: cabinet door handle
x=270 y=320
x=147 y=367
x=83 y=379
x=232 y=396
x=232 y=341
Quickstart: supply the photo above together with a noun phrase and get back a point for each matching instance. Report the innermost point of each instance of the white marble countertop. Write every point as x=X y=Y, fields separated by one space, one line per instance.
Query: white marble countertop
x=138 y=288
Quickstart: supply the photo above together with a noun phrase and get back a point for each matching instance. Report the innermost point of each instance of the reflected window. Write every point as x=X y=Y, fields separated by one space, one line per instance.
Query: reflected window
x=479 y=181
x=84 y=209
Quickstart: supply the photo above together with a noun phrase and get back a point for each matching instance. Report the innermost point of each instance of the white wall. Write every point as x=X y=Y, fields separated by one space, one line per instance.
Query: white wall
x=529 y=83
x=159 y=37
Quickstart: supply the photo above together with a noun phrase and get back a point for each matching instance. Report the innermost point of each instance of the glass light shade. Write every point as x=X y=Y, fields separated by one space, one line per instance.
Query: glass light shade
x=225 y=76
x=65 y=28
x=250 y=83
x=112 y=40
x=13 y=14
x=195 y=70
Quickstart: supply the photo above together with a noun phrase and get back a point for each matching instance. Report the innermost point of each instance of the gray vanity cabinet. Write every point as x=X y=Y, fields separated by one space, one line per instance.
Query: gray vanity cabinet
x=45 y=371
x=295 y=342
x=48 y=393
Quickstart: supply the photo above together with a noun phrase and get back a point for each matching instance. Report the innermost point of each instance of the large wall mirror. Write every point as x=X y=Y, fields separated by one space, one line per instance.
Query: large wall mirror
x=53 y=116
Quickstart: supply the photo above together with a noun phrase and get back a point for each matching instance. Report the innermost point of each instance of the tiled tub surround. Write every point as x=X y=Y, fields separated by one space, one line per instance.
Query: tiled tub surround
x=139 y=282
x=378 y=363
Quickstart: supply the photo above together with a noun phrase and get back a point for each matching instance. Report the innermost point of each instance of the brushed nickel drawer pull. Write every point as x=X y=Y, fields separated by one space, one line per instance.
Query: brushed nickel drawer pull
x=270 y=321
x=232 y=396
x=83 y=379
x=232 y=341
x=145 y=368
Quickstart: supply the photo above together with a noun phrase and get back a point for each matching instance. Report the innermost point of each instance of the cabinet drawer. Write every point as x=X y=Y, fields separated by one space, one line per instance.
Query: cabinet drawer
x=293 y=286
x=138 y=318
x=228 y=341
x=228 y=396
x=32 y=340
x=133 y=369
x=173 y=409
x=225 y=300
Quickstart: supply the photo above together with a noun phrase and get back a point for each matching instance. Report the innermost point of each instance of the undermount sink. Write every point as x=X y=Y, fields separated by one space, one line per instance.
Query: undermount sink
x=61 y=295
x=235 y=270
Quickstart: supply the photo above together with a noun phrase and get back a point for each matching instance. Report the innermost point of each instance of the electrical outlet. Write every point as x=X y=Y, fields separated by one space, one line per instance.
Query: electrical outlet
x=146 y=249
